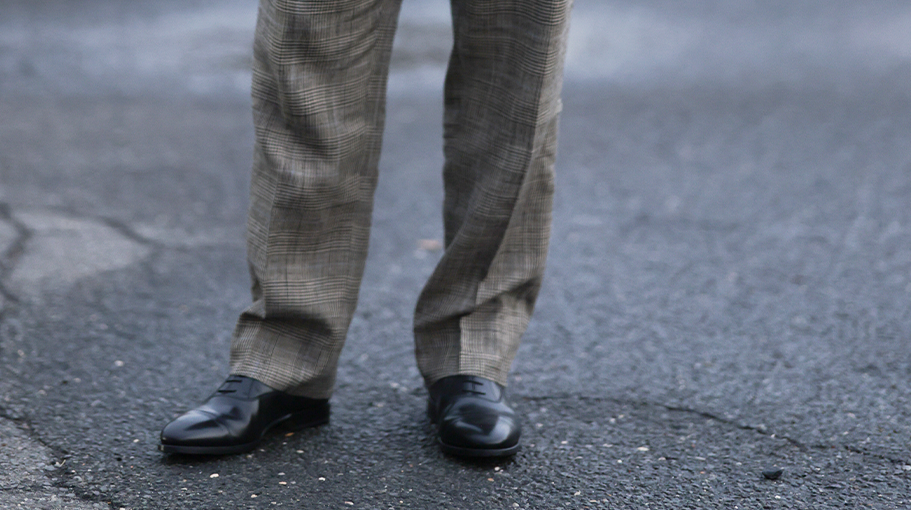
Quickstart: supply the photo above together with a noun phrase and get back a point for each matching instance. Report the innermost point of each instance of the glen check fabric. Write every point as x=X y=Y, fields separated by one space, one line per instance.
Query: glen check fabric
x=319 y=80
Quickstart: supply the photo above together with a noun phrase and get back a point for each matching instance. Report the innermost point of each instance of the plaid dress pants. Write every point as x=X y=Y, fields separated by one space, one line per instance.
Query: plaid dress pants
x=319 y=84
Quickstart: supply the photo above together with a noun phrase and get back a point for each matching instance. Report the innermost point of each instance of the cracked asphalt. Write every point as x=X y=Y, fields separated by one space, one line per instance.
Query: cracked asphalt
x=728 y=285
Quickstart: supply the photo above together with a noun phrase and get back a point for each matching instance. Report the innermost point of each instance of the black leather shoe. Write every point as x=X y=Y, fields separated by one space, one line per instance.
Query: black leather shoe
x=473 y=418
x=236 y=417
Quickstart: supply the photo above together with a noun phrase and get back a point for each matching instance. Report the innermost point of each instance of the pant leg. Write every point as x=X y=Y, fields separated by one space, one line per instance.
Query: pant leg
x=502 y=103
x=319 y=84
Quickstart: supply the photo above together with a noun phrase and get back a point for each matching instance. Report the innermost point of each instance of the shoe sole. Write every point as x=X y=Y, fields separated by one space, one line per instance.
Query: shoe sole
x=458 y=451
x=293 y=421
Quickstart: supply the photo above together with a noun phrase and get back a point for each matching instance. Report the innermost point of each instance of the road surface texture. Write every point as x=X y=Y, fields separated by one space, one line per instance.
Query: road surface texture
x=728 y=290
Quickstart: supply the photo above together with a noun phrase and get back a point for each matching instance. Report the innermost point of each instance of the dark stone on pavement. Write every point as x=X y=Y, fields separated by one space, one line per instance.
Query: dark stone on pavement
x=772 y=474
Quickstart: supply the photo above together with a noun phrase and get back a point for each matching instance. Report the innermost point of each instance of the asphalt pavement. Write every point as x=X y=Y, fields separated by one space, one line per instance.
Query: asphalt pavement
x=728 y=289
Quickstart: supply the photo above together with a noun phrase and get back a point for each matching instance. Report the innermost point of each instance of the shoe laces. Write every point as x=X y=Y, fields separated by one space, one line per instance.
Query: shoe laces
x=470 y=386
x=230 y=385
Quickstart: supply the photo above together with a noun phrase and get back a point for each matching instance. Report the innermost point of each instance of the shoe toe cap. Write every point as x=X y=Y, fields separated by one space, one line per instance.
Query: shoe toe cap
x=480 y=432
x=196 y=428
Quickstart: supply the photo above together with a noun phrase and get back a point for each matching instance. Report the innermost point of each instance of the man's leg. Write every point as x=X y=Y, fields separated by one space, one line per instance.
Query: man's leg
x=319 y=83
x=502 y=106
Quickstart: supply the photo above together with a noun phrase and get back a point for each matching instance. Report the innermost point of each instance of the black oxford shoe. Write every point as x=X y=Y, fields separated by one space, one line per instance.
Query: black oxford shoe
x=236 y=417
x=473 y=418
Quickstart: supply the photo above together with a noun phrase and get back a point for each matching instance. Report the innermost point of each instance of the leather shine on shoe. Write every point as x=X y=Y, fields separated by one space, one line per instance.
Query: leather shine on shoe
x=473 y=418
x=237 y=416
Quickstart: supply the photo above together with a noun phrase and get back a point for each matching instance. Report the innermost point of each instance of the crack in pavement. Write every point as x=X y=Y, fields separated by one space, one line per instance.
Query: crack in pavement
x=127 y=231
x=29 y=462
x=157 y=237
x=17 y=245
x=10 y=255
x=25 y=427
x=759 y=429
x=42 y=489
x=62 y=249
x=45 y=249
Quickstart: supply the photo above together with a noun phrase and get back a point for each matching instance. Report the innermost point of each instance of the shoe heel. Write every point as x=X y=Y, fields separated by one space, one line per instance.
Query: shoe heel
x=313 y=417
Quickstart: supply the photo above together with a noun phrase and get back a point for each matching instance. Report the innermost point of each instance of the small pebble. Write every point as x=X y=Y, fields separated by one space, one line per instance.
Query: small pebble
x=773 y=474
